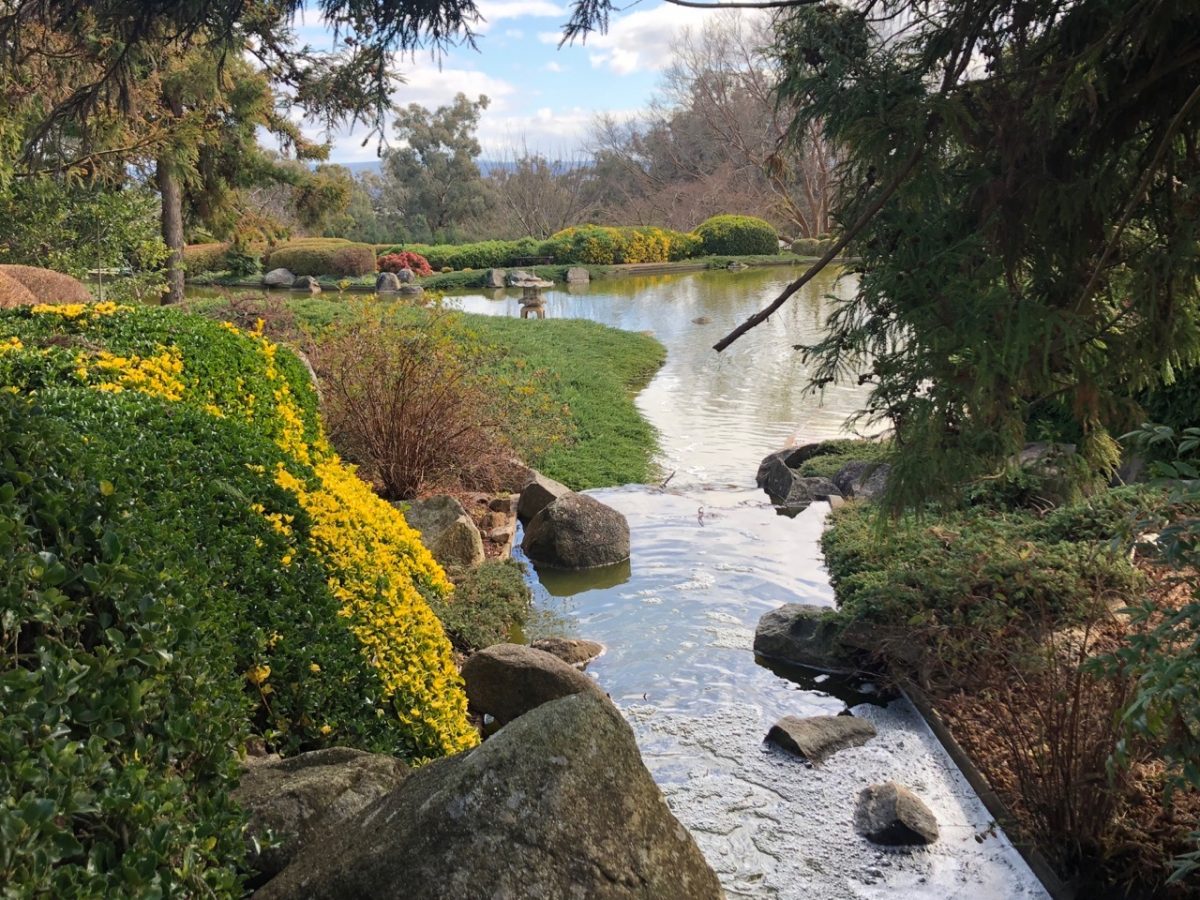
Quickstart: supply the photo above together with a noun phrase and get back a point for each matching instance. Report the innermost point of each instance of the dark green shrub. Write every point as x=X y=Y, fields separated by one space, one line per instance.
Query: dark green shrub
x=829 y=456
x=241 y=259
x=487 y=602
x=807 y=247
x=738 y=236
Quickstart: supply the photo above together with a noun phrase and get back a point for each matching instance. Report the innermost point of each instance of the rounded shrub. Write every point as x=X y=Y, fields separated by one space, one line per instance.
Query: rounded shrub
x=48 y=286
x=323 y=256
x=13 y=293
x=200 y=259
x=397 y=262
x=737 y=236
x=186 y=563
x=807 y=247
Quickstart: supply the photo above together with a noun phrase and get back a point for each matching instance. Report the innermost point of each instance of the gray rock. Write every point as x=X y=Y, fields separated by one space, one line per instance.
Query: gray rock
x=702 y=320
x=538 y=493
x=1041 y=453
x=776 y=473
x=573 y=651
x=387 y=283
x=577 y=275
x=556 y=806
x=508 y=680
x=494 y=278
x=411 y=290
x=406 y=276
x=307 y=283
x=893 y=815
x=863 y=479
x=816 y=738
x=800 y=634
x=506 y=504
x=279 y=278
x=577 y=532
x=298 y=797
x=517 y=277
x=447 y=530
x=807 y=490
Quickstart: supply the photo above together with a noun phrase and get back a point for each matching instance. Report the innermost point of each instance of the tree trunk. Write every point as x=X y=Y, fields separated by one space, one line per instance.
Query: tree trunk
x=172 y=228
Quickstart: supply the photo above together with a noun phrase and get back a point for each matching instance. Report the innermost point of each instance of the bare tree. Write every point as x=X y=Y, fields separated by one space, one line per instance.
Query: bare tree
x=538 y=196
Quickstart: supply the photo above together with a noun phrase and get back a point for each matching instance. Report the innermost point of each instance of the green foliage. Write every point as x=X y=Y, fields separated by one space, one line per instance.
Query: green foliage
x=737 y=236
x=1024 y=243
x=322 y=256
x=947 y=593
x=201 y=259
x=119 y=713
x=812 y=246
x=241 y=259
x=487 y=602
x=76 y=229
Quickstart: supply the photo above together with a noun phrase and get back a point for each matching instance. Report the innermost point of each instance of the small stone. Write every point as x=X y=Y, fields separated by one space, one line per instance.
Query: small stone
x=816 y=738
x=537 y=494
x=892 y=815
x=307 y=283
x=573 y=651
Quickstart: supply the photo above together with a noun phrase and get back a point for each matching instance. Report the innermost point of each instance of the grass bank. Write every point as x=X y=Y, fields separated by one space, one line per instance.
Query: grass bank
x=591 y=373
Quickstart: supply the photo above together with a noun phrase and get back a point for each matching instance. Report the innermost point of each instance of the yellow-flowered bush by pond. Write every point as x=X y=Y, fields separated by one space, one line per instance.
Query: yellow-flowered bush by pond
x=188 y=564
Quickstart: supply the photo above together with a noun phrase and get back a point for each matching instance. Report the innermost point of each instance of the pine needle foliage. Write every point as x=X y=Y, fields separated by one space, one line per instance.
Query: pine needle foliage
x=1022 y=180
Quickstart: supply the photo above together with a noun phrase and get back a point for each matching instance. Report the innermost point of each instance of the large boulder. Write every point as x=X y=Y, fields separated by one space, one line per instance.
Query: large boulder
x=537 y=493
x=447 y=530
x=295 y=798
x=805 y=491
x=556 y=805
x=279 y=278
x=816 y=738
x=578 y=275
x=802 y=635
x=774 y=472
x=577 y=532
x=892 y=815
x=862 y=479
x=508 y=680
x=494 y=278
x=517 y=277
x=406 y=276
x=573 y=651
x=387 y=283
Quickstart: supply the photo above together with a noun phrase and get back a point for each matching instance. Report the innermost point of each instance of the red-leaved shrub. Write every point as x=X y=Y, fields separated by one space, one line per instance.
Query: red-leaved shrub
x=394 y=262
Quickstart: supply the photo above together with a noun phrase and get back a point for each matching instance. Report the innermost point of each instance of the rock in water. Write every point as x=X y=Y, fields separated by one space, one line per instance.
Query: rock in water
x=406 y=276
x=279 y=278
x=578 y=275
x=447 y=530
x=508 y=680
x=387 y=283
x=494 y=278
x=307 y=283
x=573 y=651
x=577 y=532
x=816 y=738
x=556 y=805
x=893 y=815
x=303 y=795
x=538 y=493
x=801 y=634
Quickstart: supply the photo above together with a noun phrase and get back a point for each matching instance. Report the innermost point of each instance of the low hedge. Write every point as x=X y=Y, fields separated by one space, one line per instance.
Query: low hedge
x=184 y=562
x=812 y=246
x=322 y=256
x=737 y=236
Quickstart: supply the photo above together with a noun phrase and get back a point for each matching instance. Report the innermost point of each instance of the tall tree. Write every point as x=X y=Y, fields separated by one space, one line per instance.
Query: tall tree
x=1022 y=186
x=434 y=179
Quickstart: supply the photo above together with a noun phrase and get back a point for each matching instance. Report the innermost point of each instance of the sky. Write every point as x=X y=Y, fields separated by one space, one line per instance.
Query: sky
x=542 y=96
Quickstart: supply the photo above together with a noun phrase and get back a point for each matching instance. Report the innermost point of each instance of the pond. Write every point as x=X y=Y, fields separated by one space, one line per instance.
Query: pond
x=709 y=557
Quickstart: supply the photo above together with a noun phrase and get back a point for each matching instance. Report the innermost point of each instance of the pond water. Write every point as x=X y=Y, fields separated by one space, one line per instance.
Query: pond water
x=709 y=557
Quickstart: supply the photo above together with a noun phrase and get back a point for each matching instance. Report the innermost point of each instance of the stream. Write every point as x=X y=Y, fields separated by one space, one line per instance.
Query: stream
x=709 y=557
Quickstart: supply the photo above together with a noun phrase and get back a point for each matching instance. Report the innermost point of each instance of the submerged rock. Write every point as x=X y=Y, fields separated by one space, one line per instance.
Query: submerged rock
x=556 y=805
x=307 y=283
x=537 y=493
x=298 y=797
x=447 y=530
x=508 y=680
x=893 y=815
x=801 y=634
x=816 y=738
x=573 y=651
x=578 y=275
x=577 y=532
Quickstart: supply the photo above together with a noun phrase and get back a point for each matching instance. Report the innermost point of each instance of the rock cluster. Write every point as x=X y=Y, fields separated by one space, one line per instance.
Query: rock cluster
x=567 y=530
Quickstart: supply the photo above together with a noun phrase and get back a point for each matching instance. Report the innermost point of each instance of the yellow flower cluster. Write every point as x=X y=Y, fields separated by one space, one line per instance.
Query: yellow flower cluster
x=648 y=245
x=375 y=560
x=77 y=310
x=11 y=345
x=155 y=376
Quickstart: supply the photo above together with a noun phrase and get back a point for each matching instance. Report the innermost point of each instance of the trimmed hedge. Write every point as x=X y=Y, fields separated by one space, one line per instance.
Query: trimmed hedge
x=184 y=562
x=322 y=256
x=48 y=286
x=199 y=259
x=737 y=236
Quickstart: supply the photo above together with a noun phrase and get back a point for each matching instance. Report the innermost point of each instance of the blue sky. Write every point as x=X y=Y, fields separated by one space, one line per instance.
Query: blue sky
x=541 y=95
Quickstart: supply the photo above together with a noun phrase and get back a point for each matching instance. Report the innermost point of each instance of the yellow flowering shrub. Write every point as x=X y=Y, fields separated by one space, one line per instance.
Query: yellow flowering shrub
x=319 y=524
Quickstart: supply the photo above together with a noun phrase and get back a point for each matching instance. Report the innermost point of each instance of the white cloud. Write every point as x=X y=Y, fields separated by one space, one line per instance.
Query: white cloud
x=515 y=33
x=641 y=40
x=557 y=134
x=552 y=66
x=494 y=11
